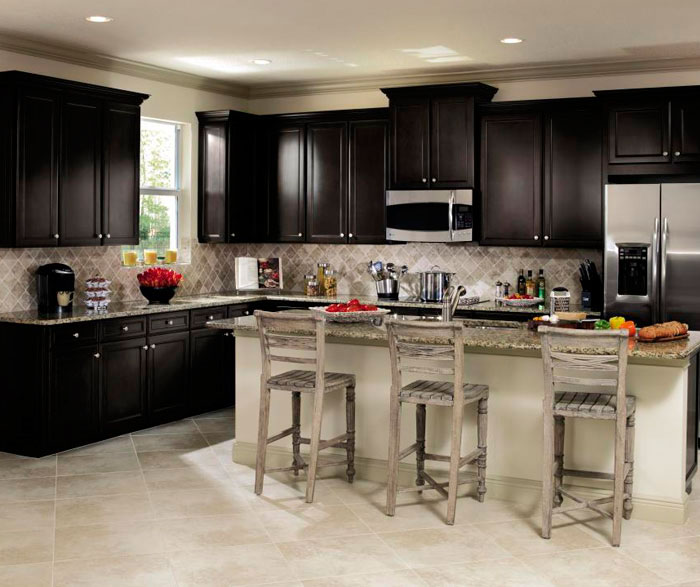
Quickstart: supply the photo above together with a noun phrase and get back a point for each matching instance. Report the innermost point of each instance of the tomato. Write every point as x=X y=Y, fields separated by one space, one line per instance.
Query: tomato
x=371 y=307
x=354 y=302
x=333 y=309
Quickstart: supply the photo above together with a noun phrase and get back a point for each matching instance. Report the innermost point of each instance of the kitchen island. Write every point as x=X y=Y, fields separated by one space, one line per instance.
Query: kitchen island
x=506 y=356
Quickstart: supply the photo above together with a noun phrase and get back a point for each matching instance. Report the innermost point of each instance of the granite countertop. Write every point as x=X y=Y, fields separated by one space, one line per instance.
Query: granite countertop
x=489 y=336
x=123 y=309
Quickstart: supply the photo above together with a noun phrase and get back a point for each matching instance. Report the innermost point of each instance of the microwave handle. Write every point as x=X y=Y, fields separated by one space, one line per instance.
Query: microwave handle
x=450 y=213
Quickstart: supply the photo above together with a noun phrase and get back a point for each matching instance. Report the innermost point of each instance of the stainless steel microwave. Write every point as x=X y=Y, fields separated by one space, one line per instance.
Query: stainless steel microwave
x=429 y=216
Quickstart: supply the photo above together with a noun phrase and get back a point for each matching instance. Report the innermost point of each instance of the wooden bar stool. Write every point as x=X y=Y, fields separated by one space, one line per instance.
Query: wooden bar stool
x=441 y=343
x=584 y=377
x=303 y=334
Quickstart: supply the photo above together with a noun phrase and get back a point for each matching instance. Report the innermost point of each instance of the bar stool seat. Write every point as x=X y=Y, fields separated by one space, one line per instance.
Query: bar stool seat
x=440 y=392
x=305 y=381
x=590 y=405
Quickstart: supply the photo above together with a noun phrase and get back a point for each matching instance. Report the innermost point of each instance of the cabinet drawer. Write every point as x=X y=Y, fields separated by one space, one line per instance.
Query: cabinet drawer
x=78 y=333
x=201 y=317
x=169 y=322
x=238 y=311
x=124 y=328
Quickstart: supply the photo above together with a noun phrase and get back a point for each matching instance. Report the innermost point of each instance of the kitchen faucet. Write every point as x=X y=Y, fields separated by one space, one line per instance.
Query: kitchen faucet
x=450 y=301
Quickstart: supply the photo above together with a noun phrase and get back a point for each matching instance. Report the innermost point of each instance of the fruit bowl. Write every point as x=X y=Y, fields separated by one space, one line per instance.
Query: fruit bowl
x=355 y=316
x=158 y=295
x=520 y=302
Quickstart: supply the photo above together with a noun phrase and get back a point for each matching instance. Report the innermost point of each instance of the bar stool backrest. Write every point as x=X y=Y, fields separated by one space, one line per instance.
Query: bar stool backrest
x=302 y=333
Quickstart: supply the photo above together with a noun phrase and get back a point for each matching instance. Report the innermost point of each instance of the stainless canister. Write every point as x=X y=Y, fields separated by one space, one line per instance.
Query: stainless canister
x=388 y=289
x=433 y=284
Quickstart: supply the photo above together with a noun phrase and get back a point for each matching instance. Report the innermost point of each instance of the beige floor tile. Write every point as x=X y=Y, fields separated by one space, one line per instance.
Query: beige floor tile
x=371 y=492
x=26 y=515
x=435 y=547
x=289 y=495
x=605 y=567
x=311 y=559
x=522 y=537
x=180 y=427
x=88 y=464
x=222 y=413
x=103 y=510
x=508 y=572
x=16 y=467
x=26 y=546
x=208 y=531
x=100 y=484
x=178 y=459
x=180 y=479
x=222 y=445
x=400 y=578
x=109 y=446
x=149 y=442
x=216 y=425
x=123 y=571
x=241 y=474
x=430 y=514
x=312 y=521
x=27 y=489
x=221 y=500
x=34 y=575
x=676 y=560
x=471 y=511
x=128 y=538
x=226 y=566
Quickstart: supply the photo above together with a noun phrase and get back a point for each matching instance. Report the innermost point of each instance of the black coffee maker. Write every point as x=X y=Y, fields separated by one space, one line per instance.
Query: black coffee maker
x=55 y=285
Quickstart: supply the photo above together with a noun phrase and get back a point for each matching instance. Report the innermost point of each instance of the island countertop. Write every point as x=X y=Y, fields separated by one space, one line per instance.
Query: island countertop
x=485 y=336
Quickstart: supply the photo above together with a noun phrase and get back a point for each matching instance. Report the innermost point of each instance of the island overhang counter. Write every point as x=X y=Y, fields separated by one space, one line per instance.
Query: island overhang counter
x=505 y=356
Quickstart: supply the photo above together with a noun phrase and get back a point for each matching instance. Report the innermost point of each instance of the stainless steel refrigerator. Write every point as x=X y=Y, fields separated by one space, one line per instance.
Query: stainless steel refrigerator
x=652 y=252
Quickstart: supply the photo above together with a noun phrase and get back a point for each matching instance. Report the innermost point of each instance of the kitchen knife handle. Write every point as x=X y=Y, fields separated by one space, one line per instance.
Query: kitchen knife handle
x=662 y=284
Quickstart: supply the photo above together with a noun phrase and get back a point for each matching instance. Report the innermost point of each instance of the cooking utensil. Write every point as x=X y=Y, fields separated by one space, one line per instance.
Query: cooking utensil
x=434 y=284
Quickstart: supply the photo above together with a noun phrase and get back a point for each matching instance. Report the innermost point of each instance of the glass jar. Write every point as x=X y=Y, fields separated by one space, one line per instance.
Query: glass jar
x=321 y=277
x=310 y=285
x=330 y=283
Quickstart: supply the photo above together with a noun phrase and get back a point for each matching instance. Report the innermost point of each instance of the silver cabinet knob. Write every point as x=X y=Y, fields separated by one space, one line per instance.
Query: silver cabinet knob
x=226 y=333
x=153 y=346
x=125 y=329
x=350 y=234
x=76 y=335
x=665 y=153
x=169 y=322
x=342 y=234
x=300 y=234
x=145 y=347
x=210 y=317
x=56 y=235
x=677 y=153
x=425 y=180
x=99 y=235
x=96 y=355
x=434 y=180
x=546 y=238
x=537 y=237
x=233 y=234
x=246 y=312
x=108 y=235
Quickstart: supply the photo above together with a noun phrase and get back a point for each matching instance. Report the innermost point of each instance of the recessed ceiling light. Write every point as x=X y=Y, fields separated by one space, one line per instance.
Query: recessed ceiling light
x=99 y=18
x=511 y=41
x=261 y=61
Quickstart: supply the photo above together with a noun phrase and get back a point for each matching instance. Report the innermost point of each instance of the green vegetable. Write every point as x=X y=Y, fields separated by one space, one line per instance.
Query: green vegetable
x=602 y=325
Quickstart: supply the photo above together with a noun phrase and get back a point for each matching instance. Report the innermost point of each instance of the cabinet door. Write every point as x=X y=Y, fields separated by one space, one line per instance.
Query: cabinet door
x=213 y=165
x=639 y=132
x=168 y=376
x=212 y=370
x=452 y=142
x=410 y=143
x=123 y=386
x=368 y=145
x=120 y=191
x=80 y=176
x=511 y=179
x=37 y=169
x=244 y=169
x=686 y=131
x=74 y=397
x=286 y=209
x=326 y=182
x=573 y=181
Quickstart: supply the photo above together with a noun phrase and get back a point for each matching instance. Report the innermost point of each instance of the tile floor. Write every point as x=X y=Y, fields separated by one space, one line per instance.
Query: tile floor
x=166 y=506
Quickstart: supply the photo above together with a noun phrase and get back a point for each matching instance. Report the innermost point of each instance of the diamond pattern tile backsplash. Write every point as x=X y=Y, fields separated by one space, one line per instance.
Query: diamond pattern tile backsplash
x=212 y=267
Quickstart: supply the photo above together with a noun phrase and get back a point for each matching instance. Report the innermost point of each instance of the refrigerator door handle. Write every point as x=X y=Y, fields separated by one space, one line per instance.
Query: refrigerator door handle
x=662 y=284
x=655 y=272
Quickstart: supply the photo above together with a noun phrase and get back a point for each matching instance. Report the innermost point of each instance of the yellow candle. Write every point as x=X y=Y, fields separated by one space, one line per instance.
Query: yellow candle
x=150 y=257
x=171 y=256
x=130 y=258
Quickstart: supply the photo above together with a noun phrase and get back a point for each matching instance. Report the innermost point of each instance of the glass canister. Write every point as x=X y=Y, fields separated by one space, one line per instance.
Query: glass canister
x=321 y=277
x=310 y=285
x=330 y=283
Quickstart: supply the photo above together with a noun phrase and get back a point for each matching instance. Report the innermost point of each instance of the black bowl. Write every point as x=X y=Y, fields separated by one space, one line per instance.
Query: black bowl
x=158 y=295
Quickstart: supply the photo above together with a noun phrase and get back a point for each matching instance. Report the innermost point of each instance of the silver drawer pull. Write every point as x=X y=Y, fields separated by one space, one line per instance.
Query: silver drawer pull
x=677 y=153
x=246 y=312
x=665 y=153
x=96 y=355
x=76 y=335
x=210 y=317
x=153 y=346
x=125 y=329
x=213 y=235
x=56 y=235
x=145 y=347
x=300 y=234
x=108 y=235
x=169 y=322
x=99 y=235
x=350 y=235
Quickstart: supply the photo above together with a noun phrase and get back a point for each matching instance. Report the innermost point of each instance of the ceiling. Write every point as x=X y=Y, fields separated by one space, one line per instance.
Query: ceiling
x=312 y=41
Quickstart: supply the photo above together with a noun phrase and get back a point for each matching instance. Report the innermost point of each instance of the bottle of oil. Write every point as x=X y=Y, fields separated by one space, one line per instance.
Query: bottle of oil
x=541 y=285
x=530 y=284
x=521 y=283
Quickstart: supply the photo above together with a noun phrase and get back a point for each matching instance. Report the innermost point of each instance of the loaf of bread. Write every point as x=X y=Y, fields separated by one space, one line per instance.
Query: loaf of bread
x=663 y=330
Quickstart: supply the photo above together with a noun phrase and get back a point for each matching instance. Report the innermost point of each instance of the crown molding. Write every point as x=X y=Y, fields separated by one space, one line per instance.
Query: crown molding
x=123 y=66
x=500 y=74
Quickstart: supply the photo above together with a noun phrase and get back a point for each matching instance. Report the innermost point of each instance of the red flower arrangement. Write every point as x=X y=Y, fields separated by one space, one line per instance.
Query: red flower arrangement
x=159 y=277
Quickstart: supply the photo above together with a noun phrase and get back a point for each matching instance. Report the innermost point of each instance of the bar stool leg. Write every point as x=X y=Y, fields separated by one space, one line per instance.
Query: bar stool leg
x=420 y=441
x=547 y=474
x=296 y=433
x=455 y=455
x=629 y=459
x=314 y=442
x=350 y=429
x=263 y=423
x=559 y=435
x=393 y=460
x=619 y=481
x=482 y=430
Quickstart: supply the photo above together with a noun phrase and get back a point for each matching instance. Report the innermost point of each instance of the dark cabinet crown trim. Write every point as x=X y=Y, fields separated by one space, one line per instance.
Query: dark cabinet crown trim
x=477 y=89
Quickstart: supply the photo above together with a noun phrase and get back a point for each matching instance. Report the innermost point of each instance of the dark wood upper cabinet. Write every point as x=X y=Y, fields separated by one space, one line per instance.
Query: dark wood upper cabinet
x=511 y=179
x=685 y=133
x=168 y=376
x=573 y=176
x=213 y=161
x=432 y=135
x=326 y=182
x=246 y=178
x=368 y=165
x=120 y=178
x=72 y=153
x=639 y=132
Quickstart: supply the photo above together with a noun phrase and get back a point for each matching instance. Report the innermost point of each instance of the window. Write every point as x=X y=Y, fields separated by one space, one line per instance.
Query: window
x=161 y=186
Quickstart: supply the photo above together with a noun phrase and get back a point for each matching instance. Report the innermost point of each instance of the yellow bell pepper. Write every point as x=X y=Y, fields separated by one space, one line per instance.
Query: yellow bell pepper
x=616 y=322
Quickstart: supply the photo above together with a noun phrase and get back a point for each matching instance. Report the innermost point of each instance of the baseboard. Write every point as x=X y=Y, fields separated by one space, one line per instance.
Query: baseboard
x=525 y=491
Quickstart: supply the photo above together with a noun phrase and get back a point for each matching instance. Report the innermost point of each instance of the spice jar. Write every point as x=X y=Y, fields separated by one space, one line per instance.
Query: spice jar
x=310 y=285
x=321 y=277
x=330 y=283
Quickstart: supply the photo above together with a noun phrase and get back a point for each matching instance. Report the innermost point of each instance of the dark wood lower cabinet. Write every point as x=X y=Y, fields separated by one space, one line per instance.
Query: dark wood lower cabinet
x=212 y=370
x=168 y=376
